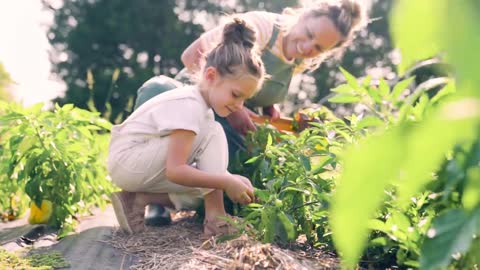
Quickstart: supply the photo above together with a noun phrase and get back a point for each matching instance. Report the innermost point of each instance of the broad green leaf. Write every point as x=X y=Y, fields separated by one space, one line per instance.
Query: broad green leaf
x=305 y=161
x=369 y=121
x=361 y=189
x=293 y=189
x=462 y=46
x=440 y=35
x=400 y=87
x=375 y=95
x=269 y=140
x=405 y=21
x=366 y=81
x=320 y=163
x=7 y=118
x=345 y=98
x=378 y=225
x=103 y=123
x=379 y=241
x=383 y=88
x=399 y=219
x=344 y=88
x=471 y=193
x=67 y=107
x=351 y=80
x=420 y=107
x=268 y=223
x=454 y=123
x=448 y=90
x=36 y=108
x=252 y=160
x=287 y=225
x=453 y=232
x=26 y=144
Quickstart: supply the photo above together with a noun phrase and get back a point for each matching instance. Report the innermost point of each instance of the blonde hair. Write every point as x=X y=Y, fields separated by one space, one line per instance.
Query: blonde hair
x=348 y=16
x=237 y=54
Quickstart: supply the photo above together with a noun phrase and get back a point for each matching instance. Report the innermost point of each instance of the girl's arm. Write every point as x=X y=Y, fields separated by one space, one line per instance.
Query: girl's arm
x=179 y=172
x=177 y=169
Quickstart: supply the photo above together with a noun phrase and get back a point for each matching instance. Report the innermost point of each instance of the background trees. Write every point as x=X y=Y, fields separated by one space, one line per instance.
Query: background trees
x=133 y=39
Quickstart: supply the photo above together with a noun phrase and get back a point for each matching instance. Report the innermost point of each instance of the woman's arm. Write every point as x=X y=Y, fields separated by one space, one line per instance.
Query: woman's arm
x=192 y=55
x=271 y=111
x=241 y=120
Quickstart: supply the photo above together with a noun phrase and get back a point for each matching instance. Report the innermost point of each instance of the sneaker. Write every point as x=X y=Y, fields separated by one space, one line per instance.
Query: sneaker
x=157 y=215
x=131 y=220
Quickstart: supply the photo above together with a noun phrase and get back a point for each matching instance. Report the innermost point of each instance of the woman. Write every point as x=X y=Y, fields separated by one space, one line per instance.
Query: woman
x=291 y=42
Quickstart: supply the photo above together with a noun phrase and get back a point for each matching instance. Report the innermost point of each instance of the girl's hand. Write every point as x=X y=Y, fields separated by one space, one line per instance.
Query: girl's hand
x=239 y=189
x=241 y=122
x=244 y=179
x=272 y=112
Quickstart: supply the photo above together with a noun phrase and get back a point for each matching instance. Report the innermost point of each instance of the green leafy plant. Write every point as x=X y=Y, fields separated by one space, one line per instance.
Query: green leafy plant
x=296 y=176
x=55 y=155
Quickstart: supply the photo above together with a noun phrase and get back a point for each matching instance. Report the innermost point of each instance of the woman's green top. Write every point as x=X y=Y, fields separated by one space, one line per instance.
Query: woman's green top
x=275 y=87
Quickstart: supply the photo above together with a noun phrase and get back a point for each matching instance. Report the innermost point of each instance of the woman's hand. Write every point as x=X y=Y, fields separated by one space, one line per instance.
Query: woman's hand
x=239 y=189
x=241 y=122
x=272 y=112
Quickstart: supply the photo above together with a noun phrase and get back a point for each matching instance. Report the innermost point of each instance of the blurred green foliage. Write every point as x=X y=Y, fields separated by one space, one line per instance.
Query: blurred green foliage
x=407 y=155
x=139 y=38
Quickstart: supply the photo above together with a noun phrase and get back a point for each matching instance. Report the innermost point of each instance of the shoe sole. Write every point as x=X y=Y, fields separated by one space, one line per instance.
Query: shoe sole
x=120 y=213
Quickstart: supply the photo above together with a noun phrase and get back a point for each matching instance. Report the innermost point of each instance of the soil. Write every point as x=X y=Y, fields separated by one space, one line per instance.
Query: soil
x=98 y=244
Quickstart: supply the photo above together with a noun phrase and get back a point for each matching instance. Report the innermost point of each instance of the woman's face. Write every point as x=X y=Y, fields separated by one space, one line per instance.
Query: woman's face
x=310 y=37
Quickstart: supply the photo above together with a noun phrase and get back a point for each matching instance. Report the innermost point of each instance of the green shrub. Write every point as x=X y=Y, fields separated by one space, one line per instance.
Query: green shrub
x=57 y=155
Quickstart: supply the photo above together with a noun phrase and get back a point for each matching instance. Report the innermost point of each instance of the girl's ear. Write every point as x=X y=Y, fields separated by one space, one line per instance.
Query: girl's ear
x=210 y=75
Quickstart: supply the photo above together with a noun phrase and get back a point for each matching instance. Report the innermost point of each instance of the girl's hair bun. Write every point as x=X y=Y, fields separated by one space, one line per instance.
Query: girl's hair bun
x=237 y=32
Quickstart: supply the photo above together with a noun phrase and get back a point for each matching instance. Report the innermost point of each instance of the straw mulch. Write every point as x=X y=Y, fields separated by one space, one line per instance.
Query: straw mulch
x=180 y=246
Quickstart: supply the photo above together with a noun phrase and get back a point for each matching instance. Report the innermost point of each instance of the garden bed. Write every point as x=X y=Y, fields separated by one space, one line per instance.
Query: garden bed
x=98 y=244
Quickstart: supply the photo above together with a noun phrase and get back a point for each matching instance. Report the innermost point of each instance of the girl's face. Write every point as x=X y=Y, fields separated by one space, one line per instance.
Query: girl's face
x=310 y=36
x=227 y=95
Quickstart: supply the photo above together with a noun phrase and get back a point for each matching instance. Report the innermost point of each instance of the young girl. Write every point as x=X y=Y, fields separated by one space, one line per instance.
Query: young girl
x=171 y=151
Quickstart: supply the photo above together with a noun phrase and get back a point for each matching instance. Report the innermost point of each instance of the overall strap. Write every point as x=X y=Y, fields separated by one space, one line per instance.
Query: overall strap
x=273 y=39
x=274 y=36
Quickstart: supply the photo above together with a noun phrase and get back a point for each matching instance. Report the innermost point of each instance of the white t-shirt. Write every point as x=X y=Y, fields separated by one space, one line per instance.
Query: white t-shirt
x=181 y=108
